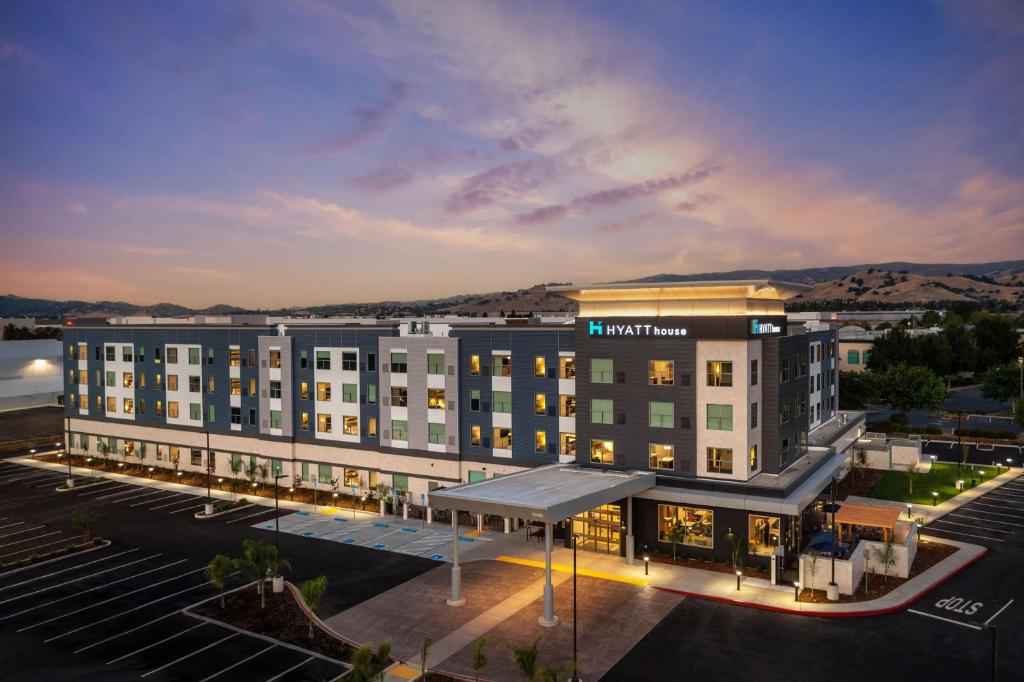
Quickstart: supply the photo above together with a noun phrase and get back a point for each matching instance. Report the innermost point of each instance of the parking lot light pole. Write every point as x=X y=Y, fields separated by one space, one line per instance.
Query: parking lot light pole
x=209 y=476
x=277 y=514
x=575 y=656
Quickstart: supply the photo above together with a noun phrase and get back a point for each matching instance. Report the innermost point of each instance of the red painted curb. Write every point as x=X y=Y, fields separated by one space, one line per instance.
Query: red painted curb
x=829 y=614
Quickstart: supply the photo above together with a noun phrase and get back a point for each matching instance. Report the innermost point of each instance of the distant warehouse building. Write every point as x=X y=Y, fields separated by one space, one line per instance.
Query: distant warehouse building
x=30 y=374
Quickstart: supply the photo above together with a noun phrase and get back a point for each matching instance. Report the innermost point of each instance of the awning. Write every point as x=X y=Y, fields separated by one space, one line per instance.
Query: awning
x=549 y=493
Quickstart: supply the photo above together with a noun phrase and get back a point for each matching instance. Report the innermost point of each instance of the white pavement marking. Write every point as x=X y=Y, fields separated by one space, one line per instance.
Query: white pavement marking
x=294 y=667
x=50 y=482
x=12 y=525
x=161 y=641
x=998 y=612
x=178 y=511
x=992 y=506
x=974 y=526
x=169 y=497
x=41 y=535
x=190 y=655
x=175 y=612
x=26 y=549
x=976 y=518
x=84 y=577
x=120 y=494
x=97 y=492
x=243 y=518
x=93 y=589
x=173 y=504
x=235 y=665
x=968 y=535
x=65 y=570
x=948 y=620
x=999 y=492
x=150 y=493
x=19 y=532
x=971 y=509
x=107 y=601
x=29 y=477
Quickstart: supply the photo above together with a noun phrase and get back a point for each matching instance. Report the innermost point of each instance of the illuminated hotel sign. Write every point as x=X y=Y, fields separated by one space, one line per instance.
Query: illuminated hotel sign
x=599 y=328
x=682 y=327
x=759 y=328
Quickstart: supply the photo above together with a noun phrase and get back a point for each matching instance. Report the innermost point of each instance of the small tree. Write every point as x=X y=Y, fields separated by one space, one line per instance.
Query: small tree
x=259 y=562
x=220 y=568
x=812 y=568
x=369 y=665
x=251 y=472
x=739 y=549
x=886 y=557
x=859 y=463
x=312 y=591
x=142 y=452
x=424 y=653
x=526 y=659
x=235 y=464
x=911 y=470
x=675 y=536
x=84 y=521
x=263 y=472
x=102 y=449
x=479 y=659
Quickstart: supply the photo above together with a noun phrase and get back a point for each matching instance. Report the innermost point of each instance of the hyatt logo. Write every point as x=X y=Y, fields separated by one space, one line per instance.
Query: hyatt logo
x=757 y=327
x=599 y=328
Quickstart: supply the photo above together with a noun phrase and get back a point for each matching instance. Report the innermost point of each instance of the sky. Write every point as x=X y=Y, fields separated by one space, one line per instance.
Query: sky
x=269 y=154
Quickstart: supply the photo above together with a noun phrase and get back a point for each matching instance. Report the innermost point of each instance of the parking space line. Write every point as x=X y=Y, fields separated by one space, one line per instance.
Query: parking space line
x=150 y=493
x=19 y=532
x=968 y=535
x=178 y=511
x=120 y=494
x=129 y=630
x=294 y=667
x=106 y=481
x=190 y=655
x=993 y=506
x=968 y=525
x=169 y=497
x=50 y=481
x=12 y=525
x=97 y=492
x=150 y=646
x=999 y=492
x=975 y=518
x=29 y=477
x=235 y=665
x=948 y=620
x=26 y=549
x=173 y=504
x=42 y=535
x=21 y=475
x=65 y=570
x=251 y=515
x=998 y=612
x=84 y=577
x=968 y=508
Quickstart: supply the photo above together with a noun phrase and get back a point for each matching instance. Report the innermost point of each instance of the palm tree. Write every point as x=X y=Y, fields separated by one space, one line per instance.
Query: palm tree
x=424 y=652
x=526 y=659
x=739 y=549
x=218 y=571
x=84 y=521
x=259 y=562
x=479 y=659
x=312 y=591
x=369 y=665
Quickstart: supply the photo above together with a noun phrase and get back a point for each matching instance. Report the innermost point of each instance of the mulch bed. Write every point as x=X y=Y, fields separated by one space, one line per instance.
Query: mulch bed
x=866 y=480
x=928 y=554
x=37 y=558
x=706 y=565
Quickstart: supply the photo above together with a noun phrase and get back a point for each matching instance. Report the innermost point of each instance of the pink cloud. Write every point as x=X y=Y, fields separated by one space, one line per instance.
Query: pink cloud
x=368 y=121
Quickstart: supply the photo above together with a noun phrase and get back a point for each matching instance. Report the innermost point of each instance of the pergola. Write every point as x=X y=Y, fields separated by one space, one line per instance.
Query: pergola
x=548 y=494
x=867 y=515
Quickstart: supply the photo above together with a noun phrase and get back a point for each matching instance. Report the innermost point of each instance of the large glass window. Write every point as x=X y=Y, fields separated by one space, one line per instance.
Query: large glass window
x=661 y=456
x=399 y=429
x=350 y=426
x=602 y=451
x=719 y=460
x=323 y=423
x=661 y=414
x=719 y=417
x=193 y=356
x=660 y=372
x=435 y=363
x=435 y=433
x=349 y=393
x=324 y=474
x=275 y=389
x=502 y=438
x=540 y=366
x=601 y=370
x=764 y=534
x=193 y=384
x=697 y=525
x=400 y=483
x=566 y=367
x=399 y=363
x=501 y=401
x=399 y=396
x=567 y=443
x=195 y=411
x=719 y=373
x=435 y=398
x=502 y=365
x=567 y=405
x=275 y=419
x=601 y=411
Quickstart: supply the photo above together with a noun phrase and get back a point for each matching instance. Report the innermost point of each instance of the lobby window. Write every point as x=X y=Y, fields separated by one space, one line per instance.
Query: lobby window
x=502 y=438
x=252 y=387
x=567 y=444
x=602 y=452
x=435 y=399
x=661 y=456
x=502 y=365
x=234 y=357
x=474 y=435
x=304 y=421
x=349 y=393
x=195 y=411
x=753 y=372
x=211 y=385
x=661 y=414
x=111 y=404
x=753 y=457
x=474 y=400
x=601 y=370
x=501 y=401
x=399 y=429
x=111 y=353
x=720 y=417
x=129 y=406
x=350 y=426
x=540 y=367
x=853 y=357
x=193 y=356
x=323 y=390
x=128 y=380
x=540 y=441
x=126 y=353
x=371 y=394
x=783 y=370
x=719 y=373
x=275 y=419
x=764 y=534
x=566 y=367
x=567 y=406
x=236 y=386
x=349 y=361
x=172 y=356
x=193 y=384
x=399 y=396
x=698 y=525
x=275 y=359
x=719 y=460
x=435 y=363
x=540 y=404
x=474 y=364
x=660 y=372
x=275 y=389
x=601 y=411
x=323 y=423
x=435 y=433
x=753 y=415
x=399 y=363
x=371 y=427
x=236 y=415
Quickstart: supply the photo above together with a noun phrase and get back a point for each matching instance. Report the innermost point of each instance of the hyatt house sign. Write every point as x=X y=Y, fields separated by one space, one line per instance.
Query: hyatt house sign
x=697 y=327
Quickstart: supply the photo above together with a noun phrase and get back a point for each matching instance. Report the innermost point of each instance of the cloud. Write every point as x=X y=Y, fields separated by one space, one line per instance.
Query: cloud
x=17 y=52
x=77 y=207
x=148 y=250
x=367 y=122
x=384 y=178
x=502 y=183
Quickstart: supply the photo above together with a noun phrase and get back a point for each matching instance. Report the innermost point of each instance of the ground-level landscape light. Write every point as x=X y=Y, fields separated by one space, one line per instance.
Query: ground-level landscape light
x=647 y=564
x=935 y=497
x=739 y=574
x=179 y=474
x=150 y=469
x=796 y=591
x=909 y=508
x=1009 y=462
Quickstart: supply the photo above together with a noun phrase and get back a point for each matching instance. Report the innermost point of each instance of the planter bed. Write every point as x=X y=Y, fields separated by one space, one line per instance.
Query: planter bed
x=55 y=555
x=705 y=565
x=225 y=507
x=81 y=483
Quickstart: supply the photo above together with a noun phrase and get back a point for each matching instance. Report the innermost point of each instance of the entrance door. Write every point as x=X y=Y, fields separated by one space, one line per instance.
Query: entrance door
x=600 y=529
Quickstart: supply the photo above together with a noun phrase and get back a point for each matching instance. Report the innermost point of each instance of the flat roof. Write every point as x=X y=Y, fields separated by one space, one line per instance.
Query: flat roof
x=549 y=493
x=698 y=289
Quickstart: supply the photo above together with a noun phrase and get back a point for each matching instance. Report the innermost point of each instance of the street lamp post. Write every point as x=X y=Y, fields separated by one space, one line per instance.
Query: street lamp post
x=209 y=475
x=575 y=656
x=833 y=552
x=277 y=515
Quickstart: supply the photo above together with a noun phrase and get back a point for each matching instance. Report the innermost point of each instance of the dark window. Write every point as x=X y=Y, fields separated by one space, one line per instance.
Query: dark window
x=323 y=359
x=303 y=360
x=753 y=372
x=252 y=416
x=236 y=415
x=99 y=353
x=156 y=354
x=371 y=362
x=349 y=362
x=252 y=362
x=684 y=379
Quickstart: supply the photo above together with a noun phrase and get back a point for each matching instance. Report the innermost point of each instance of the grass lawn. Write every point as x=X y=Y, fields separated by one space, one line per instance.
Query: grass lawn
x=941 y=479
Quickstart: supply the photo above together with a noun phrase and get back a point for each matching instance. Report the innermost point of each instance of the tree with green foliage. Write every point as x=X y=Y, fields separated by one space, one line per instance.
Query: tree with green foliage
x=911 y=470
x=893 y=348
x=996 y=339
x=1018 y=413
x=886 y=558
x=1002 y=382
x=84 y=521
x=963 y=352
x=369 y=665
x=931 y=318
x=676 y=535
x=935 y=353
x=907 y=387
x=312 y=592
x=479 y=658
x=235 y=464
x=526 y=659
x=738 y=553
x=220 y=568
x=259 y=563
x=857 y=390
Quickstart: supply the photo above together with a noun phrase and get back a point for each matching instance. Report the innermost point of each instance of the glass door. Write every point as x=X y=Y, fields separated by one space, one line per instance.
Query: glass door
x=600 y=529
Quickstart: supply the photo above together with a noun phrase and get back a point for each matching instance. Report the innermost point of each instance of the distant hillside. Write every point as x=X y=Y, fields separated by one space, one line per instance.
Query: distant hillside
x=894 y=286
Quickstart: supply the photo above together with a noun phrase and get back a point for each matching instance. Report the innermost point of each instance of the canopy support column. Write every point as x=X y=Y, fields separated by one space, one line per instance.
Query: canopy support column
x=549 y=619
x=630 y=545
x=456 y=599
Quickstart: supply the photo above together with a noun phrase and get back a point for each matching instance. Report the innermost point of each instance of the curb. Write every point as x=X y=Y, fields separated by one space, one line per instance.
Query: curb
x=80 y=487
x=831 y=614
x=104 y=545
x=201 y=515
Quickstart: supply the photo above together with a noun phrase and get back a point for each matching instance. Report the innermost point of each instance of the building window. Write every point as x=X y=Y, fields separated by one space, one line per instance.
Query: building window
x=323 y=423
x=350 y=426
x=567 y=405
x=601 y=370
x=371 y=362
x=371 y=394
x=435 y=398
x=129 y=406
x=474 y=364
x=111 y=404
x=275 y=419
x=195 y=411
x=349 y=393
x=502 y=438
x=764 y=534
x=303 y=359
x=540 y=367
x=399 y=429
x=753 y=372
x=196 y=458
x=349 y=361
x=501 y=401
x=111 y=353
x=193 y=384
x=540 y=404
x=158 y=380
x=111 y=379
x=661 y=414
x=435 y=363
x=126 y=353
x=720 y=460
x=275 y=389
x=252 y=357
x=252 y=416
x=474 y=400
x=435 y=433
x=474 y=435
x=275 y=359
x=371 y=426
x=399 y=363
x=159 y=408
x=867 y=356
x=400 y=483
x=142 y=405
x=304 y=421
x=128 y=380
x=236 y=386
x=210 y=385
x=660 y=372
x=719 y=373
x=142 y=379
x=566 y=367
x=399 y=396
x=502 y=365
x=323 y=390
x=852 y=357
x=602 y=451
x=211 y=412
x=172 y=356
x=323 y=359
x=234 y=357
x=236 y=415
x=753 y=457
x=801 y=365
x=325 y=474
x=567 y=444
x=753 y=415
x=784 y=412
x=193 y=356
x=661 y=456
x=252 y=387
x=720 y=417
x=697 y=525
x=601 y=411
x=784 y=370
x=540 y=441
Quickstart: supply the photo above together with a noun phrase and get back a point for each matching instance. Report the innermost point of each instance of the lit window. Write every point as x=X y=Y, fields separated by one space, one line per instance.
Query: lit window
x=252 y=387
x=503 y=438
x=660 y=372
x=323 y=390
x=540 y=441
x=566 y=367
x=719 y=373
x=159 y=408
x=172 y=409
x=399 y=396
x=474 y=364
x=350 y=426
x=236 y=387
x=567 y=444
x=602 y=451
x=304 y=421
x=111 y=404
x=275 y=359
x=128 y=380
x=763 y=534
x=753 y=457
x=210 y=385
x=234 y=357
x=697 y=525
x=540 y=404
x=567 y=406
x=158 y=379
x=474 y=435
x=719 y=460
x=435 y=398
x=371 y=426
x=142 y=379
x=323 y=423
x=129 y=406
x=540 y=367
x=661 y=456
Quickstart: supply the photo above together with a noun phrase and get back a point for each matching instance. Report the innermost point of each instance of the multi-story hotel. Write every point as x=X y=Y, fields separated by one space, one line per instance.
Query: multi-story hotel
x=730 y=410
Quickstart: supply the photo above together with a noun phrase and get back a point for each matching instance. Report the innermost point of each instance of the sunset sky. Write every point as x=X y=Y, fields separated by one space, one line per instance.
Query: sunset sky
x=296 y=153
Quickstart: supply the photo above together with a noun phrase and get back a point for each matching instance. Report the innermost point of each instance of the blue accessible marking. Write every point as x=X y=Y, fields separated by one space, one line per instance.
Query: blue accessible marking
x=348 y=541
x=463 y=538
x=302 y=513
x=338 y=518
x=409 y=530
x=308 y=533
x=381 y=525
x=437 y=557
x=268 y=526
x=378 y=546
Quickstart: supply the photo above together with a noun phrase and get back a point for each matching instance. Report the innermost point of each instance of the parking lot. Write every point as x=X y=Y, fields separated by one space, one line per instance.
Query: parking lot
x=977 y=453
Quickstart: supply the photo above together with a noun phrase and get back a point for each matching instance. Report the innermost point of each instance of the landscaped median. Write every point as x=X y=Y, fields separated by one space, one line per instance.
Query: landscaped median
x=224 y=507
